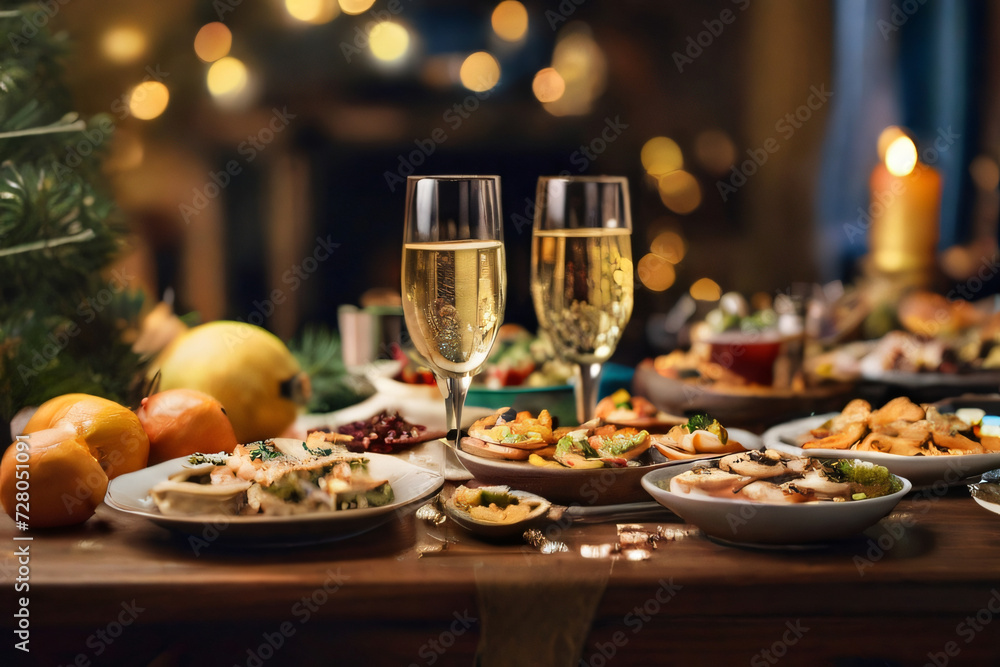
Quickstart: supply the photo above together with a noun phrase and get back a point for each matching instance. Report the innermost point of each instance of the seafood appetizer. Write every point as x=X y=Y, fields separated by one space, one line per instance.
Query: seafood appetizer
x=621 y=407
x=701 y=437
x=277 y=477
x=518 y=436
x=494 y=504
x=769 y=476
x=905 y=428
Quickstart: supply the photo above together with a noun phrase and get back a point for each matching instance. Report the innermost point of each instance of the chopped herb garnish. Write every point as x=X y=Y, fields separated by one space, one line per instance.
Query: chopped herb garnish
x=262 y=450
x=319 y=451
x=218 y=459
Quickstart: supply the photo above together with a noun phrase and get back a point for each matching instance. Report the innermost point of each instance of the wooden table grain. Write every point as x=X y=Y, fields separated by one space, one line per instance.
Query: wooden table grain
x=921 y=587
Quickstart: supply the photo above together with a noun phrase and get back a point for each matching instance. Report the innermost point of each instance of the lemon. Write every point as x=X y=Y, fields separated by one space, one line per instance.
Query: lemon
x=246 y=368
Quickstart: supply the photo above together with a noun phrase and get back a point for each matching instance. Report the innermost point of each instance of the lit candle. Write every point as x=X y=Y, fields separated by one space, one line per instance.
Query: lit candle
x=905 y=210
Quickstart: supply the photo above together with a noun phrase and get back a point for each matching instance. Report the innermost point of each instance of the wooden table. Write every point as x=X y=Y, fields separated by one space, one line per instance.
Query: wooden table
x=922 y=587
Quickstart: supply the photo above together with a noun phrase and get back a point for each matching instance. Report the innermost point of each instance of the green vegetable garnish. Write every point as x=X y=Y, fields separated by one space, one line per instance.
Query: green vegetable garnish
x=866 y=479
x=319 y=451
x=703 y=421
x=218 y=459
x=262 y=450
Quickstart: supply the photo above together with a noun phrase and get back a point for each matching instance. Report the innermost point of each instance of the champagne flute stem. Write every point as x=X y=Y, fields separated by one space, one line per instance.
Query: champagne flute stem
x=457 y=389
x=588 y=380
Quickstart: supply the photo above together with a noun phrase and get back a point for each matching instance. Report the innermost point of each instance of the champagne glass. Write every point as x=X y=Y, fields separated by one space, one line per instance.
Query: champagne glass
x=454 y=281
x=581 y=273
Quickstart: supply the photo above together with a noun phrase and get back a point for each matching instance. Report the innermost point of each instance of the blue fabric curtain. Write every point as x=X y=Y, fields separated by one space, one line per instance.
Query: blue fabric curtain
x=911 y=63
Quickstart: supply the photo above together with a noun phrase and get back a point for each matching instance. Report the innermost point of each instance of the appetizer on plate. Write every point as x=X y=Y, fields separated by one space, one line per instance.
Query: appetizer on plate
x=769 y=476
x=623 y=408
x=701 y=437
x=274 y=477
x=495 y=504
x=519 y=436
x=905 y=428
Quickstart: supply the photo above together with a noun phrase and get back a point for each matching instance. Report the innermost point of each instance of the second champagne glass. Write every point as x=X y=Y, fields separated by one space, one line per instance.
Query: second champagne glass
x=581 y=273
x=454 y=281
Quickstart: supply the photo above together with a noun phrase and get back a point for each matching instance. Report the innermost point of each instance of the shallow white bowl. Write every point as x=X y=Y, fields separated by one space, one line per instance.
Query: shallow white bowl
x=922 y=471
x=746 y=522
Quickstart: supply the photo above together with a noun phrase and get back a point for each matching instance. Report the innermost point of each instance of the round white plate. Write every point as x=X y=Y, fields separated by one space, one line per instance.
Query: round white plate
x=920 y=470
x=411 y=484
x=745 y=522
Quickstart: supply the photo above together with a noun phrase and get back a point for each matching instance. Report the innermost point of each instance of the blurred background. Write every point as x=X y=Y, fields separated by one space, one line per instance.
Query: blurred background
x=262 y=147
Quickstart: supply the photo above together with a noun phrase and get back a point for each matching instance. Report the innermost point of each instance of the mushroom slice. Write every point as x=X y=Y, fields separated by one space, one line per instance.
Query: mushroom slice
x=857 y=410
x=816 y=486
x=765 y=492
x=890 y=444
x=190 y=492
x=755 y=464
x=897 y=409
x=957 y=443
x=990 y=443
x=851 y=434
x=708 y=481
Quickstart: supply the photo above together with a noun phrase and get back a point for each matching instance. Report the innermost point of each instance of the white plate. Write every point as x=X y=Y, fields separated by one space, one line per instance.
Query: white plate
x=920 y=470
x=745 y=522
x=746 y=438
x=993 y=507
x=410 y=484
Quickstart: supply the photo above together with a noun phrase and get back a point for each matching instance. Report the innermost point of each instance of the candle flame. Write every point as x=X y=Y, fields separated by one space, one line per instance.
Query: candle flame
x=886 y=137
x=901 y=156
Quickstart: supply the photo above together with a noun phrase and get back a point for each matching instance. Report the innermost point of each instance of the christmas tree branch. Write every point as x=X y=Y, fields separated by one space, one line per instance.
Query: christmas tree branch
x=85 y=235
x=47 y=129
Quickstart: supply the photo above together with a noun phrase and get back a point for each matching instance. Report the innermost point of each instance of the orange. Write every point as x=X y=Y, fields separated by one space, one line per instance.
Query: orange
x=111 y=431
x=180 y=422
x=62 y=484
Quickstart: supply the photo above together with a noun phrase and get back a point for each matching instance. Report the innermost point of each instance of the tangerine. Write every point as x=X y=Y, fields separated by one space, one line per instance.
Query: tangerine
x=61 y=482
x=180 y=422
x=111 y=431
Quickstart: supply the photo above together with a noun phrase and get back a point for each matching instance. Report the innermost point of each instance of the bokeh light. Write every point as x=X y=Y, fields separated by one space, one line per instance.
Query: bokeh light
x=985 y=172
x=148 y=100
x=480 y=72
x=661 y=155
x=670 y=246
x=705 y=289
x=389 y=41
x=123 y=44
x=656 y=273
x=679 y=191
x=715 y=151
x=548 y=85
x=213 y=41
x=127 y=150
x=356 y=6
x=510 y=20
x=580 y=62
x=901 y=156
x=316 y=12
x=885 y=139
x=227 y=77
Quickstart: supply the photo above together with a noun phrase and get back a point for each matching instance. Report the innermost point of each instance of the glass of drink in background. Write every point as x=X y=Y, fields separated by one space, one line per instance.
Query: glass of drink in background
x=454 y=280
x=581 y=273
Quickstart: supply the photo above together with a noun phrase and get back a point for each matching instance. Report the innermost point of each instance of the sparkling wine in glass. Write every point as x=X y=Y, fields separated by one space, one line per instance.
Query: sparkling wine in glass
x=454 y=280
x=581 y=273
